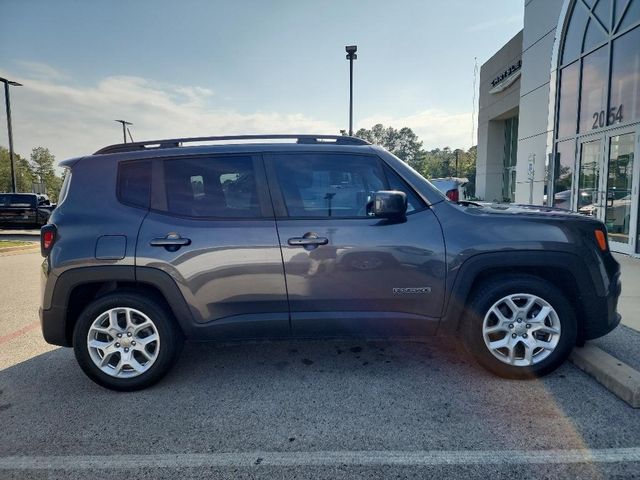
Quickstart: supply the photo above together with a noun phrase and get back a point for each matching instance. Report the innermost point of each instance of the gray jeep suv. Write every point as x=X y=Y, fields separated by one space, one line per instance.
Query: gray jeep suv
x=156 y=242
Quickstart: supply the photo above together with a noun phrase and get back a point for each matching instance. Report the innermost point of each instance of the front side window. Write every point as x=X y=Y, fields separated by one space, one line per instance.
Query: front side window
x=218 y=187
x=334 y=185
x=397 y=183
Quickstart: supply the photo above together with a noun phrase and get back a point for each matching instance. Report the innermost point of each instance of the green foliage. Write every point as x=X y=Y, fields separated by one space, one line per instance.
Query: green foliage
x=403 y=143
x=436 y=163
x=42 y=165
x=40 y=168
x=24 y=175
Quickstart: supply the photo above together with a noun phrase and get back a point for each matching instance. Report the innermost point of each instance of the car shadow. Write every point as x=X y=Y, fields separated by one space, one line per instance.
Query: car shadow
x=305 y=394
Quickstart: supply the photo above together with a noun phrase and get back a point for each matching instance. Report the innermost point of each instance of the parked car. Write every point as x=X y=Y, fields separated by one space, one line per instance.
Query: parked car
x=618 y=213
x=156 y=242
x=24 y=209
x=454 y=188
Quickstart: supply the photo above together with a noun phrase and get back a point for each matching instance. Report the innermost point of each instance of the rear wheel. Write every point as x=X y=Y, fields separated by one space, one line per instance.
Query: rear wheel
x=520 y=326
x=124 y=341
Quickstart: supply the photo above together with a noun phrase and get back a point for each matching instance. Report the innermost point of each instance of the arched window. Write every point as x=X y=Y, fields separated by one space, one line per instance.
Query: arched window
x=598 y=76
x=599 y=70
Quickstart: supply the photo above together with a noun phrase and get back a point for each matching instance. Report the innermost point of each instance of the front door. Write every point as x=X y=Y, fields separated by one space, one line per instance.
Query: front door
x=348 y=272
x=212 y=229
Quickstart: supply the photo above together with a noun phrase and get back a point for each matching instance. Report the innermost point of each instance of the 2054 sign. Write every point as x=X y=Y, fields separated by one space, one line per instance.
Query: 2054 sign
x=602 y=118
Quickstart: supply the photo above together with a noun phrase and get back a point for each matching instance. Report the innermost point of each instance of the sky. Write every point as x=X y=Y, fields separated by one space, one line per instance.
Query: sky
x=192 y=67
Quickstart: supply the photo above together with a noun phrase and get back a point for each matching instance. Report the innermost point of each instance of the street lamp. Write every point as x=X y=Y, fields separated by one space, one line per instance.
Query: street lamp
x=8 y=107
x=125 y=129
x=351 y=56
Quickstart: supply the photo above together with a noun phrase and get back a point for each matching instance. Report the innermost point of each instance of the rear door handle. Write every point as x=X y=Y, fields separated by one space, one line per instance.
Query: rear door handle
x=309 y=241
x=171 y=242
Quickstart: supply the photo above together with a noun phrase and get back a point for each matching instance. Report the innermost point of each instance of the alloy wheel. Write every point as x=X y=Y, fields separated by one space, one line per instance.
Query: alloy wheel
x=521 y=329
x=123 y=342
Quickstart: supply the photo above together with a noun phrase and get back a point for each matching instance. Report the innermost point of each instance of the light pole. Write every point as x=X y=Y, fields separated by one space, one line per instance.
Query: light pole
x=124 y=129
x=8 y=107
x=351 y=56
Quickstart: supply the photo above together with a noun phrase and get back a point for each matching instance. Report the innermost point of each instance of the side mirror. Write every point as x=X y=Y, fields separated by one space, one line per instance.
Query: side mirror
x=390 y=204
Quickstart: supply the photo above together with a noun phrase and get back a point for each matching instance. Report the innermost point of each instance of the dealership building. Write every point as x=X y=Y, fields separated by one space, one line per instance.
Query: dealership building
x=559 y=114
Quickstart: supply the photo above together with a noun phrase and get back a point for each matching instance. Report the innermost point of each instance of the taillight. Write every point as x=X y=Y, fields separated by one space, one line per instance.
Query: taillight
x=601 y=239
x=453 y=195
x=47 y=239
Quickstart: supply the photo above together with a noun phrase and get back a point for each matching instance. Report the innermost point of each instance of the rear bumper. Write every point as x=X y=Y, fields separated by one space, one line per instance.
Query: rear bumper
x=53 y=324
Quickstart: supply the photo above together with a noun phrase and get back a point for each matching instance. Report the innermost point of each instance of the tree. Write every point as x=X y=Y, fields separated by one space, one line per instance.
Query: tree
x=42 y=165
x=436 y=163
x=24 y=175
x=402 y=143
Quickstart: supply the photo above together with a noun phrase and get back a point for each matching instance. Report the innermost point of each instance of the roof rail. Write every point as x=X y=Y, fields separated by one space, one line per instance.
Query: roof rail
x=178 y=142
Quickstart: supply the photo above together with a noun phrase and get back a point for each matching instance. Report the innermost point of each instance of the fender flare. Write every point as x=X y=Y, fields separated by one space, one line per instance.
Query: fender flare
x=466 y=274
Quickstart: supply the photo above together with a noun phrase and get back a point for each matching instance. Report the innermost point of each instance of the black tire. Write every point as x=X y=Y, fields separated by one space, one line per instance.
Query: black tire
x=171 y=340
x=496 y=288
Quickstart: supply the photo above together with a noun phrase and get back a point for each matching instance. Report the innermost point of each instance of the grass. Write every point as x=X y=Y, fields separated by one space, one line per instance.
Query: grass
x=14 y=243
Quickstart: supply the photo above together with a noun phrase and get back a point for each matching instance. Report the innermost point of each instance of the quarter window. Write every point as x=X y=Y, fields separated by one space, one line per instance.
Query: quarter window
x=134 y=183
x=212 y=187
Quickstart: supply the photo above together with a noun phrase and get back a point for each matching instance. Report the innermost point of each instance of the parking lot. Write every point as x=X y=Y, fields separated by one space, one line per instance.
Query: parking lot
x=295 y=409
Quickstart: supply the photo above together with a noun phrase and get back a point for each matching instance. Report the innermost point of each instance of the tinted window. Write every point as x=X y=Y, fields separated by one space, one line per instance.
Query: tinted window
x=17 y=200
x=134 y=184
x=397 y=183
x=212 y=187
x=316 y=185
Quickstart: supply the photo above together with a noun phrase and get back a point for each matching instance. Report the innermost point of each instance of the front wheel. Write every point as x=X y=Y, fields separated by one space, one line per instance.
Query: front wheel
x=519 y=326
x=124 y=341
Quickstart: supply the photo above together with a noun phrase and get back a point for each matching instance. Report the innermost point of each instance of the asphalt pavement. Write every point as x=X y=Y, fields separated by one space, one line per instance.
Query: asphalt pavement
x=300 y=409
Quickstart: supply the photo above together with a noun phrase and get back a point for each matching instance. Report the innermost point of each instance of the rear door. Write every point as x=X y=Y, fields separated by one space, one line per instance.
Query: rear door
x=211 y=228
x=348 y=272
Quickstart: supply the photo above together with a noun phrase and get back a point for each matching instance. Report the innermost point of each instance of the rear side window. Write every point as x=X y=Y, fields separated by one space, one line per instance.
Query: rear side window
x=216 y=187
x=134 y=183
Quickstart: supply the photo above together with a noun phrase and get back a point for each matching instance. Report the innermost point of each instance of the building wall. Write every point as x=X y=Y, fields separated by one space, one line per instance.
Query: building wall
x=494 y=108
x=540 y=22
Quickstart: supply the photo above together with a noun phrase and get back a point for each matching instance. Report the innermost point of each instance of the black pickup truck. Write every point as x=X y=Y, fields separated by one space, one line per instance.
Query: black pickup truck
x=24 y=209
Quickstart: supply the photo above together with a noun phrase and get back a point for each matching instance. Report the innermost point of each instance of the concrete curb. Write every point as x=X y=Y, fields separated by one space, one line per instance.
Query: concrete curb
x=618 y=377
x=19 y=248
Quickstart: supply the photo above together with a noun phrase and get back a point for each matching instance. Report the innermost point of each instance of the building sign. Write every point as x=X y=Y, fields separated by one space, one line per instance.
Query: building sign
x=506 y=78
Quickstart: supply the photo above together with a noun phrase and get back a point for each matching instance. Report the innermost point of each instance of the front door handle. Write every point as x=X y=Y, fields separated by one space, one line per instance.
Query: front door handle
x=309 y=241
x=171 y=242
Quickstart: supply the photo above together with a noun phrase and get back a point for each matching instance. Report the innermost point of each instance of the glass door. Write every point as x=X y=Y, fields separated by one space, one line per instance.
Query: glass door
x=621 y=184
x=590 y=195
